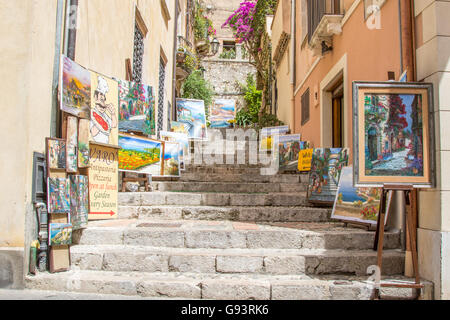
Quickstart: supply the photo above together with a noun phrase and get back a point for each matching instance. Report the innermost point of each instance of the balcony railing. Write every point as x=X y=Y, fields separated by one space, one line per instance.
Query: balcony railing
x=319 y=8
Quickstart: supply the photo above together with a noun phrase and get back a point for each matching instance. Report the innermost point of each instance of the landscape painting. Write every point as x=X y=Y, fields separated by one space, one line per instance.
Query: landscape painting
x=223 y=112
x=75 y=87
x=394 y=134
x=56 y=153
x=326 y=167
x=192 y=114
x=140 y=155
x=360 y=205
x=58 y=195
x=288 y=154
x=171 y=159
x=79 y=201
x=136 y=108
x=59 y=234
x=71 y=145
x=83 y=143
x=180 y=138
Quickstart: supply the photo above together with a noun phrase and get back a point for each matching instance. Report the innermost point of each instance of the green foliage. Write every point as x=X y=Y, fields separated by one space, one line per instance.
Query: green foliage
x=270 y=120
x=228 y=54
x=252 y=97
x=243 y=118
x=197 y=87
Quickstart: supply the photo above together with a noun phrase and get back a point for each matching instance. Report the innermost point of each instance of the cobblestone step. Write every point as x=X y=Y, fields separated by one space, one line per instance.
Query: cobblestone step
x=217 y=286
x=255 y=261
x=227 y=235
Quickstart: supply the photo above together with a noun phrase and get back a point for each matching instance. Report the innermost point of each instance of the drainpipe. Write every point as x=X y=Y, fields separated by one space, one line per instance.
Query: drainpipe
x=406 y=38
x=174 y=67
x=292 y=64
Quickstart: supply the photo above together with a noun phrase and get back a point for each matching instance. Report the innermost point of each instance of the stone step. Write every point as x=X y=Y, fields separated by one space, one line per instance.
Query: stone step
x=218 y=286
x=227 y=235
x=227 y=187
x=254 y=261
x=239 y=212
x=250 y=178
x=212 y=199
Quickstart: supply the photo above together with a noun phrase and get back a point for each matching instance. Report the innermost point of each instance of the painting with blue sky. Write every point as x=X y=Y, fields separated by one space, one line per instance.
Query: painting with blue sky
x=192 y=114
x=171 y=159
x=223 y=111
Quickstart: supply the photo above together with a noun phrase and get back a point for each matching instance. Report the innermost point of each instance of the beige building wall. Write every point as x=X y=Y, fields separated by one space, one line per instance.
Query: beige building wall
x=433 y=65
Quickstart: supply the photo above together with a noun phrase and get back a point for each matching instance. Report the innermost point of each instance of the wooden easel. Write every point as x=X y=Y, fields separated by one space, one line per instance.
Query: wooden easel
x=410 y=194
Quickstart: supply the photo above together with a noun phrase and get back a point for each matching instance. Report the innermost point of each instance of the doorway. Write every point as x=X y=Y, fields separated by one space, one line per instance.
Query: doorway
x=337 y=117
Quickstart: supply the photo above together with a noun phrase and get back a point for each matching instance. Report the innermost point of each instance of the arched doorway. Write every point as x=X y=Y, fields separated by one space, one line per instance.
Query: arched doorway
x=373 y=144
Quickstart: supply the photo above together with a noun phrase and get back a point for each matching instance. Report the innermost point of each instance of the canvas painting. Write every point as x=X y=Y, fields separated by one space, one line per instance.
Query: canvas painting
x=56 y=153
x=75 y=87
x=179 y=127
x=58 y=195
x=222 y=114
x=83 y=143
x=394 y=135
x=79 y=201
x=104 y=110
x=140 y=155
x=326 y=167
x=71 y=145
x=136 y=108
x=180 y=138
x=288 y=154
x=266 y=136
x=171 y=159
x=192 y=114
x=59 y=234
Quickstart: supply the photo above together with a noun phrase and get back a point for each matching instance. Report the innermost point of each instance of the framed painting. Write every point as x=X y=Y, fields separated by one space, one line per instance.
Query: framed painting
x=58 y=195
x=83 y=143
x=289 y=147
x=265 y=136
x=136 y=108
x=56 y=154
x=180 y=138
x=326 y=167
x=59 y=234
x=222 y=113
x=141 y=155
x=79 y=201
x=71 y=145
x=358 y=205
x=75 y=92
x=171 y=159
x=393 y=141
x=192 y=113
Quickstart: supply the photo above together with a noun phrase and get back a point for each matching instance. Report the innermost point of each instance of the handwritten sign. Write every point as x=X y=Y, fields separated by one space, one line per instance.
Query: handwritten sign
x=304 y=160
x=103 y=182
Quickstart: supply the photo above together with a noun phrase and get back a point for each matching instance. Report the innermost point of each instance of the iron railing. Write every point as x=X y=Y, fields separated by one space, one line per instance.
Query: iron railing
x=317 y=9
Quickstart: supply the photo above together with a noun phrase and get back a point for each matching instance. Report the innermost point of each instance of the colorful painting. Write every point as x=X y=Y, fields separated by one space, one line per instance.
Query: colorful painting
x=71 y=145
x=56 y=153
x=304 y=159
x=223 y=113
x=75 y=87
x=104 y=110
x=140 y=155
x=266 y=136
x=83 y=143
x=192 y=114
x=136 y=108
x=288 y=153
x=58 y=195
x=326 y=167
x=171 y=159
x=179 y=127
x=59 y=234
x=79 y=201
x=180 y=138
x=353 y=204
x=394 y=135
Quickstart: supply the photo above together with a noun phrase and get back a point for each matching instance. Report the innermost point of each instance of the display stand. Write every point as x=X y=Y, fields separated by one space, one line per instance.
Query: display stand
x=410 y=196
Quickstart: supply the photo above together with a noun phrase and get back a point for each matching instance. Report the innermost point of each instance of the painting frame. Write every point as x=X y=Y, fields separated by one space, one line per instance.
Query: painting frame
x=203 y=136
x=167 y=147
x=361 y=89
x=62 y=161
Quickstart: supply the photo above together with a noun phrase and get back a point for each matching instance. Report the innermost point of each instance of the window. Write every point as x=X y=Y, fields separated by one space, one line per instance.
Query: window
x=229 y=50
x=317 y=9
x=140 y=32
x=161 y=90
x=305 y=107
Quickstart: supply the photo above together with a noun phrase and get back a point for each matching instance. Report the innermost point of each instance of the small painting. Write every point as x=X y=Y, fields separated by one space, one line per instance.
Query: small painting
x=192 y=114
x=266 y=136
x=140 y=155
x=104 y=110
x=75 y=84
x=288 y=151
x=83 y=143
x=222 y=114
x=59 y=234
x=326 y=167
x=79 y=201
x=180 y=138
x=179 y=127
x=136 y=108
x=56 y=154
x=353 y=204
x=71 y=145
x=305 y=159
x=395 y=134
x=171 y=159
x=58 y=195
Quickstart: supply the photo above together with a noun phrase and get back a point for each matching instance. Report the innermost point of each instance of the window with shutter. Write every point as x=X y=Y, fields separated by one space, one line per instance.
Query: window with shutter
x=305 y=107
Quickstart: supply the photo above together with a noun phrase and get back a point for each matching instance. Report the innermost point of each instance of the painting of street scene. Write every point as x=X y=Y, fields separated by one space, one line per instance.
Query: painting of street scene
x=76 y=88
x=356 y=204
x=140 y=155
x=192 y=114
x=136 y=108
x=393 y=135
x=223 y=112
x=289 y=147
x=60 y=234
x=326 y=167
x=79 y=201
x=58 y=195
x=56 y=153
x=171 y=159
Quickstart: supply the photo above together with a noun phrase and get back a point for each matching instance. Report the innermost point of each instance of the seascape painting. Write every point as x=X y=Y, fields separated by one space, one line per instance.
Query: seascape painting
x=192 y=114
x=171 y=159
x=59 y=234
x=180 y=138
x=223 y=112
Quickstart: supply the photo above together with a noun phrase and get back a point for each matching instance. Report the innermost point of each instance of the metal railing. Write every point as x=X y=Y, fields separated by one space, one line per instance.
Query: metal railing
x=317 y=9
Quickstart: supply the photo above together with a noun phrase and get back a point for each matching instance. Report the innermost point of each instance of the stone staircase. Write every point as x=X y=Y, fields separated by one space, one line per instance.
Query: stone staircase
x=225 y=232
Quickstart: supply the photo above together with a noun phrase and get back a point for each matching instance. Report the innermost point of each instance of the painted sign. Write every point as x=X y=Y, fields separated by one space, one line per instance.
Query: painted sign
x=304 y=159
